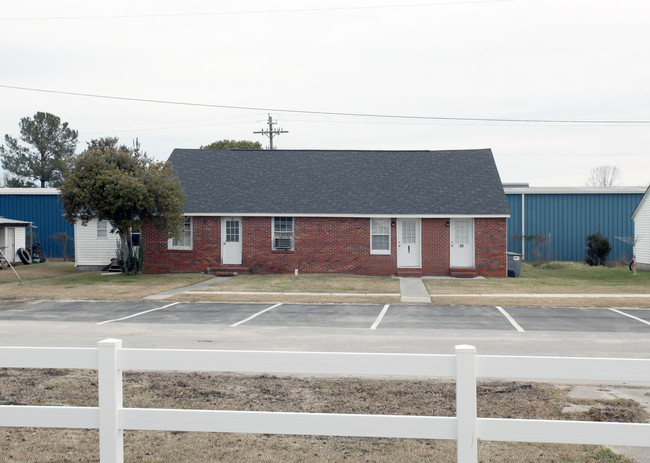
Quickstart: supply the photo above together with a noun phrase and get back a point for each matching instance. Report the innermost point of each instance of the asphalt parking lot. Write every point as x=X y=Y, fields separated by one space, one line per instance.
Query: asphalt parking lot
x=338 y=316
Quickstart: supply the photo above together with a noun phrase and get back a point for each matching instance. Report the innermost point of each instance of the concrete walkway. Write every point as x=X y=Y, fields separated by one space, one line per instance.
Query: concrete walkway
x=413 y=290
x=174 y=292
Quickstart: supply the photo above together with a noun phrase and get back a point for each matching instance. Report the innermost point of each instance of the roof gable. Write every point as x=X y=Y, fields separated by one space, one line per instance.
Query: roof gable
x=641 y=203
x=322 y=182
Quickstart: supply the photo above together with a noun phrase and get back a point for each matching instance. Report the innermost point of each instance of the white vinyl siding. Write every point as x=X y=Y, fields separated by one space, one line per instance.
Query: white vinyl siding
x=89 y=250
x=642 y=231
x=379 y=236
x=184 y=238
x=12 y=239
x=282 y=236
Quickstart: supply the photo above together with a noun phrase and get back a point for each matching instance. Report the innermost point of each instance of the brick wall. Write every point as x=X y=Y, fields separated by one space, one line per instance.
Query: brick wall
x=323 y=244
x=490 y=247
x=206 y=248
x=435 y=247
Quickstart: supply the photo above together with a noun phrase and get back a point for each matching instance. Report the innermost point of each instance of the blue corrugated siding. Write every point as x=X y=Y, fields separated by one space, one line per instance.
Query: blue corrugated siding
x=514 y=223
x=569 y=218
x=46 y=213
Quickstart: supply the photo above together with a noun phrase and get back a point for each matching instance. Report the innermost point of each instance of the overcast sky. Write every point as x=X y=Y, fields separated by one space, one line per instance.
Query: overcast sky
x=567 y=61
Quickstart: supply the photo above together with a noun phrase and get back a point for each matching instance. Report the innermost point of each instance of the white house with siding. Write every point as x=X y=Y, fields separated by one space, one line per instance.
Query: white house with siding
x=12 y=237
x=641 y=219
x=94 y=245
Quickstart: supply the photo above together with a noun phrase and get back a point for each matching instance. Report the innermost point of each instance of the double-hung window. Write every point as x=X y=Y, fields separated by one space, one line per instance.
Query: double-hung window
x=282 y=233
x=379 y=236
x=183 y=239
x=102 y=229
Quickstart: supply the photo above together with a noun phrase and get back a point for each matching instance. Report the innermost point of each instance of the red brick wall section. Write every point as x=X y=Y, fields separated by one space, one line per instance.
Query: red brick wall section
x=435 y=247
x=206 y=252
x=323 y=245
x=490 y=247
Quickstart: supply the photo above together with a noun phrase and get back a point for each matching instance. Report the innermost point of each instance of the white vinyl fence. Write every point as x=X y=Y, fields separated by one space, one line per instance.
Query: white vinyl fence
x=111 y=418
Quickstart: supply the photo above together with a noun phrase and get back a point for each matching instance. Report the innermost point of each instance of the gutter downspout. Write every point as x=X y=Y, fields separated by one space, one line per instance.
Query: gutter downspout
x=523 y=226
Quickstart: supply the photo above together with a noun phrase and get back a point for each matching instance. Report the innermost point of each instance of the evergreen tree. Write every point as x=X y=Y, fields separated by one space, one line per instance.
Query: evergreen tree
x=50 y=145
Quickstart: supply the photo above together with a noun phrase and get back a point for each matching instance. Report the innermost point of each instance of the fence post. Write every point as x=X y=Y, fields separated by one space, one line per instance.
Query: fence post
x=466 y=404
x=111 y=438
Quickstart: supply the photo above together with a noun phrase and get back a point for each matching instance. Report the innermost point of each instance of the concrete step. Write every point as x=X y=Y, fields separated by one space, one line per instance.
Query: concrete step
x=463 y=272
x=409 y=272
x=228 y=270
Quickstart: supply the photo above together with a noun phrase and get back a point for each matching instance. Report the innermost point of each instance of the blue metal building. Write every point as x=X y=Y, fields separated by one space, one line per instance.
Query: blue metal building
x=42 y=207
x=552 y=223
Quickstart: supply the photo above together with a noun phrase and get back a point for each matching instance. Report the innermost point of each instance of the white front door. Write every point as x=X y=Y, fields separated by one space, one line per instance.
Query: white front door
x=231 y=246
x=408 y=243
x=10 y=249
x=461 y=237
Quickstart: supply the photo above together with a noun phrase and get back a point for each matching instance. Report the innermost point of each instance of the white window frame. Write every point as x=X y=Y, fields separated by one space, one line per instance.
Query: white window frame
x=102 y=229
x=282 y=234
x=388 y=224
x=175 y=244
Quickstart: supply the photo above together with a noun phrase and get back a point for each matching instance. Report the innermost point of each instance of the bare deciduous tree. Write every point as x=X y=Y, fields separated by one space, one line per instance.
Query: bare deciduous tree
x=604 y=176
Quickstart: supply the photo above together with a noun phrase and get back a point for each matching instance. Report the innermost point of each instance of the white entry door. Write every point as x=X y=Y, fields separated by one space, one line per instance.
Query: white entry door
x=461 y=237
x=231 y=245
x=10 y=250
x=408 y=243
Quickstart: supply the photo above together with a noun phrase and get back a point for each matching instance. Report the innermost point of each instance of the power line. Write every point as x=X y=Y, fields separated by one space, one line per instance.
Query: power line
x=245 y=12
x=330 y=113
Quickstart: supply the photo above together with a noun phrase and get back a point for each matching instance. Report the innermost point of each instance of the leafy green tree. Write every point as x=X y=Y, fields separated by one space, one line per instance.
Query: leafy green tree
x=122 y=185
x=233 y=145
x=50 y=146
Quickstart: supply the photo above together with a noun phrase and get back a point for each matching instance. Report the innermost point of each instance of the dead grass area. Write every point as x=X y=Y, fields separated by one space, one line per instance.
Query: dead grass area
x=555 y=302
x=310 y=283
x=61 y=281
x=302 y=394
x=286 y=298
x=551 y=278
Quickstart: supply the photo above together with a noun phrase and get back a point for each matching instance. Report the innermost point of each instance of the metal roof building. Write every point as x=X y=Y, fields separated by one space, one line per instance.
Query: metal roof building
x=552 y=223
x=42 y=207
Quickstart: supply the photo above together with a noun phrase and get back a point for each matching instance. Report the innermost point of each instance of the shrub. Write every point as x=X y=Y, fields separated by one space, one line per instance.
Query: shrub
x=134 y=261
x=598 y=248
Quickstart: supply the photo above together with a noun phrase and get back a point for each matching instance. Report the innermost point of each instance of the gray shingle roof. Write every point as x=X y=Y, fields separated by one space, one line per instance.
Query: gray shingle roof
x=304 y=182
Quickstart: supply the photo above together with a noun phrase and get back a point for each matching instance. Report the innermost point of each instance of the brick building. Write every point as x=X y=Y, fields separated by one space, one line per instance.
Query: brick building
x=408 y=213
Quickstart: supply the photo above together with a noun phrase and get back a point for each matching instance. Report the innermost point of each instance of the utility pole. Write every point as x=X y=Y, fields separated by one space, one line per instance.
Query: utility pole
x=271 y=131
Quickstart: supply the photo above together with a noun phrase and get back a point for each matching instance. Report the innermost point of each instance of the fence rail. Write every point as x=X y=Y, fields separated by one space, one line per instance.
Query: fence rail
x=111 y=418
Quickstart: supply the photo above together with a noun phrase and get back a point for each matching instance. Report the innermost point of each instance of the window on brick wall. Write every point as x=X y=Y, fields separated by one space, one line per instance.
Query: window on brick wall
x=379 y=236
x=282 y=233
x=183 y=240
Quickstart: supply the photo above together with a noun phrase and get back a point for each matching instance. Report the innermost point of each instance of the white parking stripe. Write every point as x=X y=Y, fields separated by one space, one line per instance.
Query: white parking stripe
x=255 y=315
x=510 y=319
x=380 y=317
x=139 y=313
x=631 y=316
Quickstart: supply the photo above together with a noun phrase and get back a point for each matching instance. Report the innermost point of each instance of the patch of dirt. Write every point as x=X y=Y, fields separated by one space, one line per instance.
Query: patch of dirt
x=301 y=394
